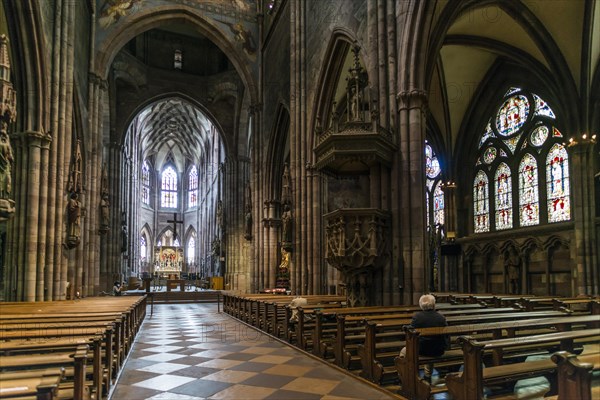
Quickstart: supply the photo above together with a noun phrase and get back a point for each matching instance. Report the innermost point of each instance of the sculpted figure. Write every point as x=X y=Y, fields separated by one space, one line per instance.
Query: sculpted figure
x=6 y=161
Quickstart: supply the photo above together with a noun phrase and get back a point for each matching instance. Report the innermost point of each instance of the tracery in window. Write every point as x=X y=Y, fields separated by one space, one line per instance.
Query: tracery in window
x=193 y=187
x=146 y=183
x=515 y=143
x=168 y=194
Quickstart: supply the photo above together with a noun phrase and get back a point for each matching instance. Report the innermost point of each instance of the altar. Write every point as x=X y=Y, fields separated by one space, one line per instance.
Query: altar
x=168 y=261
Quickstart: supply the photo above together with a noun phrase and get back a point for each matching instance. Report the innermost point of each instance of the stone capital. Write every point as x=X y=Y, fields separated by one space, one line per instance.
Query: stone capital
x=412 y=99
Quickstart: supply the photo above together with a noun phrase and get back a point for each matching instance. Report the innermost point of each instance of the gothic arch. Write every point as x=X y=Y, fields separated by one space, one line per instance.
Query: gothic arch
x=147 y=19
x=28 y=52
x=277 y=151
x=331 y=71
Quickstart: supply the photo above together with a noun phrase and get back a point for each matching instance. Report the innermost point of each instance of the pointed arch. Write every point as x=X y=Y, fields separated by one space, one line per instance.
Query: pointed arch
x=278 y=151
x=558 y=184
x=529 y=207
x=331 y=72
x=503 y=196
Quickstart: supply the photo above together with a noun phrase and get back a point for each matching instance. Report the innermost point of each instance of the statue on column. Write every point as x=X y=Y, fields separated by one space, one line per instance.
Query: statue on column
x=73 y=203
x=220 y=217
x=248 y=213
x=286 y=187
x=8 y=114
x=286 y=224
x=123 y=232
x=73 y=221
x=286 y=216
x=512 y=264
x=104 y=203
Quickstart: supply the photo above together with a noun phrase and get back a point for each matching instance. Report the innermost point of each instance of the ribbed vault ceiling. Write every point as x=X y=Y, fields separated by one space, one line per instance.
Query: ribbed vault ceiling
x=172 y=125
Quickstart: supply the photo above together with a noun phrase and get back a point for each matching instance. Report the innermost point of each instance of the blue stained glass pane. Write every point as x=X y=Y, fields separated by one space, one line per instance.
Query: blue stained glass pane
x=542 y=108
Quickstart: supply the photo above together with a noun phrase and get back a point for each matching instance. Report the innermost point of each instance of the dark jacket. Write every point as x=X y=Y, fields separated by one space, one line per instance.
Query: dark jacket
x=432 y=346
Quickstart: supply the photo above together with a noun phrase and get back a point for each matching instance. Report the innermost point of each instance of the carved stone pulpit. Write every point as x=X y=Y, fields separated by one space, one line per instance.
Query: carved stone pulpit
x=357 y=244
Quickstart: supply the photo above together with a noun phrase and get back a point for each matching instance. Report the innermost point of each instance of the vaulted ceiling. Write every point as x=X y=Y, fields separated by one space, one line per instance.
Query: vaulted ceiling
x=528 y=35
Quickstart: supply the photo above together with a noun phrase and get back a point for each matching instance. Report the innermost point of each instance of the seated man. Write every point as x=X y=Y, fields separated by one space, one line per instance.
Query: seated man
x=117 y=289
x=433 y=346
x=294 y=304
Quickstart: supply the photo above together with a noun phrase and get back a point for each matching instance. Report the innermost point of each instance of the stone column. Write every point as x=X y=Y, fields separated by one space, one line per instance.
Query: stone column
x=411 y=200
x=586 y=273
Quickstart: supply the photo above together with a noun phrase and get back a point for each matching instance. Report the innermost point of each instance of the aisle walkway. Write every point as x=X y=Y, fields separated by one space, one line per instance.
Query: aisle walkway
x=190 y=352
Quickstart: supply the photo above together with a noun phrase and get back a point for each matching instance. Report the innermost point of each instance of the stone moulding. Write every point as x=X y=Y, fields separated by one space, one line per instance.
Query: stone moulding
x=357 y=146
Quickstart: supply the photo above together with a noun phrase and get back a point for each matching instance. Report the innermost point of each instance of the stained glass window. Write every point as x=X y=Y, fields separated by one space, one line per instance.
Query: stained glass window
x=143 y=248
x=529 y=209
x=191 y=250
x=513 y=148
x=512 y=115
x=432 y=165
x=489 y=155
x=542 y=108
x=434 y=192
x=146 y=183
x=503 y=188
x=168 y=194
x=438 y=205
x=539 y=135
x=193 y=187
x=481 y=202
x=557 y=178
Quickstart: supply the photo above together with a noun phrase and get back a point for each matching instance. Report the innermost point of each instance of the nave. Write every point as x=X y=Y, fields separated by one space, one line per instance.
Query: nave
x=191 y=352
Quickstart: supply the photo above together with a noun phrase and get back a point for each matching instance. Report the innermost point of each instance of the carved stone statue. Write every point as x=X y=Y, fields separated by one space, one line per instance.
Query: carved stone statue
x=512 y=264
x=248 y=213
x=8 y=114
x=248 y=223
x=104 y=213
x=220 y=222
x=123 y=232
x=73 y=220
x=286 y=224
x=286 y=188
x=216 y=247
x=6 y=161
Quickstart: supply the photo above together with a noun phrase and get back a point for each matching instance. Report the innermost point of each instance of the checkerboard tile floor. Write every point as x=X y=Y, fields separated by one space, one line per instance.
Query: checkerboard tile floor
x=191 y=352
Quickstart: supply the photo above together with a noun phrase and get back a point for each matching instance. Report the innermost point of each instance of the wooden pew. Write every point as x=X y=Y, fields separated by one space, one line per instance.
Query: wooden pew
x=408 y=367
x=107 y=325
x=384 y=338
x=575 y=374
x=38 y=385
x=101 y=360
x=469 y=383
x=75 y=361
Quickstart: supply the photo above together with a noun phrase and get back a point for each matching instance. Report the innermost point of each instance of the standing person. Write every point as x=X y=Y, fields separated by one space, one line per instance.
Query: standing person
x=432 y=346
